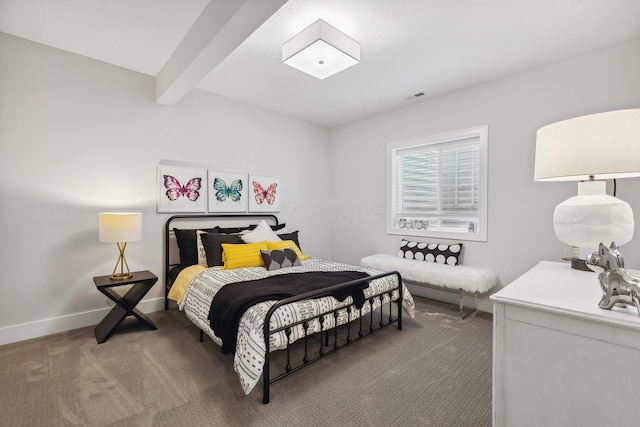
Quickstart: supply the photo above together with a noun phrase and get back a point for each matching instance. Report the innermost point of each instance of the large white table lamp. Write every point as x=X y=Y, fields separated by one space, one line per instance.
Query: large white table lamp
x=591 y=149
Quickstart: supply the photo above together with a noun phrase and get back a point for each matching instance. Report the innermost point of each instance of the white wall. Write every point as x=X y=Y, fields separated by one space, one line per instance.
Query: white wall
x=520 y=210
x=78 y=137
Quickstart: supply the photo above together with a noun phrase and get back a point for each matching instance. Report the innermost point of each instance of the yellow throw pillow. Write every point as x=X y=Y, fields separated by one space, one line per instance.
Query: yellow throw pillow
x=287 y=244
x=243 y=255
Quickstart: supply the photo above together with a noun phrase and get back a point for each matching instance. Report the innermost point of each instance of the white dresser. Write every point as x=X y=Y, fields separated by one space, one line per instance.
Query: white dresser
x=559 y=359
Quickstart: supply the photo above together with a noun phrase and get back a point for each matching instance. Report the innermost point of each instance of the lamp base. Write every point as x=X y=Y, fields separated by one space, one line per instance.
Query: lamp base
x=120 y=276
x=580 y=264
x=122 y=262
x=592 y=217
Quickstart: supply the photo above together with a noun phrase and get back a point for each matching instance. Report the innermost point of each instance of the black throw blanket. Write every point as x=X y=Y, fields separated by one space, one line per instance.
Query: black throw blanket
x=232 y=300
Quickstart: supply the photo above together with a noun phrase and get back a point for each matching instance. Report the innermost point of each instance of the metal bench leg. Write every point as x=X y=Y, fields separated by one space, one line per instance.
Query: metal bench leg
x=464 y=313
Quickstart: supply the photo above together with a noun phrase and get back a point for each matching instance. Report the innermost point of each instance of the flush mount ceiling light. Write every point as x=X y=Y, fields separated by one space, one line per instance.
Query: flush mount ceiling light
x=321 y=50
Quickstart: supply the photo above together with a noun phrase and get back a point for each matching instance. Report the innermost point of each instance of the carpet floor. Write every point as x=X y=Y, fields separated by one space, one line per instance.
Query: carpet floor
x=435 y=372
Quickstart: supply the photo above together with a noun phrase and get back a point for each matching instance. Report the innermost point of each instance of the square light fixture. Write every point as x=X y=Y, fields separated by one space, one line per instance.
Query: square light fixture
x=321 y=50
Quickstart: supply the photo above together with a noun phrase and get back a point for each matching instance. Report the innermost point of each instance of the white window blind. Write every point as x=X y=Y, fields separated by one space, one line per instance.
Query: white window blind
x=438 y=185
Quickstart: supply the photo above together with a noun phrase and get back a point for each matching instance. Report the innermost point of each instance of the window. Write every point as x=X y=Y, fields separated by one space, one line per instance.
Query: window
x=437 y=186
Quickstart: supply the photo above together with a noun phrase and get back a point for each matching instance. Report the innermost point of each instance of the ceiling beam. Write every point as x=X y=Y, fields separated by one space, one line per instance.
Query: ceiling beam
x=220 y=29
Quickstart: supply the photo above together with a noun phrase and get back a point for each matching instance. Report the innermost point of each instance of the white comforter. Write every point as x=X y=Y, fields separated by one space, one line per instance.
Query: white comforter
x=250 y=349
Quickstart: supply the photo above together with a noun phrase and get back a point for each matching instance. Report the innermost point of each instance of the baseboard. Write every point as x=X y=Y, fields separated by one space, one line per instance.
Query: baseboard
x=41 y=328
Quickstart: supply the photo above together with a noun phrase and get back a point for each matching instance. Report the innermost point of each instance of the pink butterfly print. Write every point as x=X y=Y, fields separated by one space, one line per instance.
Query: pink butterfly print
x=261 y=194
x=175 y=189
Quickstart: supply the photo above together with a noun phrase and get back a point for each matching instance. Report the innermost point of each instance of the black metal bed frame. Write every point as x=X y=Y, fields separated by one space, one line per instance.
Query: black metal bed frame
x=325 y=347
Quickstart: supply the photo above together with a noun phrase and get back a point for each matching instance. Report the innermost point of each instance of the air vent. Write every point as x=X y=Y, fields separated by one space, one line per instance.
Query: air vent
x=414 y=96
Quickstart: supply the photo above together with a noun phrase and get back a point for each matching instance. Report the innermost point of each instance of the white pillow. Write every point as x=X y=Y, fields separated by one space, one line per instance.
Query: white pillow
x=261 y=233
x=202 y=254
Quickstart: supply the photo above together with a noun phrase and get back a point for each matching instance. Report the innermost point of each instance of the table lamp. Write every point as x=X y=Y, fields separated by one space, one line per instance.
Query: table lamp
x=588 y=149
x=120 y=228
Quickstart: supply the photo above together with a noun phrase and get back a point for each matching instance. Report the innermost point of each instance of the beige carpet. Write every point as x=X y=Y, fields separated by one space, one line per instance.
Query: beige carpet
x=435 y=372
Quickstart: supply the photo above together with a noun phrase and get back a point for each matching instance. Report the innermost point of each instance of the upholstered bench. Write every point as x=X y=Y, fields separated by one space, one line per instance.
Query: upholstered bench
x=435 y=268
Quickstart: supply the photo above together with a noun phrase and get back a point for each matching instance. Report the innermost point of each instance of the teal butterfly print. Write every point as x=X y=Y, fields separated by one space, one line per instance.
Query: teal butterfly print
x=233 y=191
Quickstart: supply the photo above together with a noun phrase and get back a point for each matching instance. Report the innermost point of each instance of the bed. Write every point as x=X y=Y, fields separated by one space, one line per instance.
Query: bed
x=333 y=305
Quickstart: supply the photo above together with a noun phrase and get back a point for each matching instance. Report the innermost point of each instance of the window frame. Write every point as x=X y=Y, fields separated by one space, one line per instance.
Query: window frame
x=448 y=138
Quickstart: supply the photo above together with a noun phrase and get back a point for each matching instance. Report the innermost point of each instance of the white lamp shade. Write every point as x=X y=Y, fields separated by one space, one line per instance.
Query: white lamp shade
x=120 y=227
x=602 y=146
x=321 y=50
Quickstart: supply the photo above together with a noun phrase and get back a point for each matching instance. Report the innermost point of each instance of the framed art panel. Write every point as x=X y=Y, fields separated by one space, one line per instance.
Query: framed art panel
x=227 y=192
x=181 y=189
x=265 y=194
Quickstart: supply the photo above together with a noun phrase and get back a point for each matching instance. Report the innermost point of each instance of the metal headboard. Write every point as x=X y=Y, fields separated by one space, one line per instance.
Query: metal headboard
x=216 y=219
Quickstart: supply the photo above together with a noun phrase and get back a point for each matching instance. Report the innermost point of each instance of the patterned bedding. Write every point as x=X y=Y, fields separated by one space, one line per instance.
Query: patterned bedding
x=250 y=349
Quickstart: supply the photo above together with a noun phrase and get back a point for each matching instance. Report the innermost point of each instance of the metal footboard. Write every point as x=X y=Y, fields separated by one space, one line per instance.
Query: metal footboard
x=375 y=322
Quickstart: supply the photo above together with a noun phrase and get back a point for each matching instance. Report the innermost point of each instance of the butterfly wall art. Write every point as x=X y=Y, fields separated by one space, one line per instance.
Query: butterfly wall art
x=227 y=192
x=181 y=189
x=265 y=193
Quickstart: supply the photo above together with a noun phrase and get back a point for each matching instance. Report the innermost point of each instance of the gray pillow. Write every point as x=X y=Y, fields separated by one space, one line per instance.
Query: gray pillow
x=279 y=258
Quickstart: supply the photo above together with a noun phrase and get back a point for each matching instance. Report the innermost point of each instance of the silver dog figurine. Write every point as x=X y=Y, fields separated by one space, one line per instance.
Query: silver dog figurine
x=619 y=287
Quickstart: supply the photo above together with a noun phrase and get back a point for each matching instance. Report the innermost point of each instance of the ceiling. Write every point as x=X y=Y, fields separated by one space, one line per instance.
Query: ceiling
x=407 y=46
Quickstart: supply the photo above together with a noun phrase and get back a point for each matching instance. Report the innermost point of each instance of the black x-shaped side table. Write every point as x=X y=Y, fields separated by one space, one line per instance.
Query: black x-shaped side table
x=142 y=281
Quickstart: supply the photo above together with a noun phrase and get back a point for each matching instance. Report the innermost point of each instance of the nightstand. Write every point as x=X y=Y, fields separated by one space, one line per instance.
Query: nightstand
x=142 y=282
